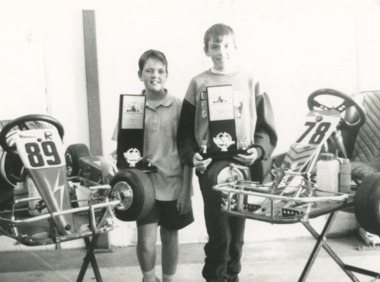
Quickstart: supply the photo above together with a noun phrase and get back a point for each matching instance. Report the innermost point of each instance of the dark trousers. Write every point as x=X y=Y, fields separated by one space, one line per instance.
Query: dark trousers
x=226 y=238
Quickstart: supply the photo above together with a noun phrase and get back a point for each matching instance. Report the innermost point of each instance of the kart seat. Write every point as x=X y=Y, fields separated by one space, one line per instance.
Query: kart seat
x=363 y=145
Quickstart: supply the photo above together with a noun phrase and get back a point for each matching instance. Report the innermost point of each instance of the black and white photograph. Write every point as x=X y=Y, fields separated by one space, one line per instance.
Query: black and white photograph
x=257 y=122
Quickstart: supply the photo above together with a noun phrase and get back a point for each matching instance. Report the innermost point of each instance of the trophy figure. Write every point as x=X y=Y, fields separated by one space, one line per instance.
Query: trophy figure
x=204 y=147
x=243 y=143
x=132 y=156
x=223 y=140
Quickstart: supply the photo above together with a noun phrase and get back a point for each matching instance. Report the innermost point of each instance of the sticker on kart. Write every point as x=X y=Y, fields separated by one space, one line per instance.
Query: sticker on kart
x=318 y=127
x=312 y=135
x=38 y=148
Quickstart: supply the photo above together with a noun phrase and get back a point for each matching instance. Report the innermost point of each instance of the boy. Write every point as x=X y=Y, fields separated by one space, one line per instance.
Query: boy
x=253 y=118
x=172 y=182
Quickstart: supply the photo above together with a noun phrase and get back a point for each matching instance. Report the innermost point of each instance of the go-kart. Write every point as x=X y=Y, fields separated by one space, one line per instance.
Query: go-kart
x=51 y=195
x=292 y=194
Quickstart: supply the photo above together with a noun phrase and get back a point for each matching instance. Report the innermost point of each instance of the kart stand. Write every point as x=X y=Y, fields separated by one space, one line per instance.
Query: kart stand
x=321 y=242
x=90 y=257
x=301 y=214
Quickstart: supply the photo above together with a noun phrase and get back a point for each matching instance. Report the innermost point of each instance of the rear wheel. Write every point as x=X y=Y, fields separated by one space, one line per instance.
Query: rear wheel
x=135 y=190
x=367 y=204
x=374 y=206
x=72 y=156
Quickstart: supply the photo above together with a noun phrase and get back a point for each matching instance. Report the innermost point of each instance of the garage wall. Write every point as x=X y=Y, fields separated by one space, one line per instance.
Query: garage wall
x=22 y=74
x=296 y=47
x=42 y=65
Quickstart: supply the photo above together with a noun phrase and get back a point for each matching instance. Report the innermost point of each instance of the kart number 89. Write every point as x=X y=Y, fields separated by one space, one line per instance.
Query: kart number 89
x=40 y=154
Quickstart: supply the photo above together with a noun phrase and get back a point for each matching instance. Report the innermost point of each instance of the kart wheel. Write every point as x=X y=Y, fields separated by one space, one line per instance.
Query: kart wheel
x=11 y=168
x=135 y=189
x=6 y=194
x=72 y=155
x=366 y=203
x=224 y=171
x=374 y=205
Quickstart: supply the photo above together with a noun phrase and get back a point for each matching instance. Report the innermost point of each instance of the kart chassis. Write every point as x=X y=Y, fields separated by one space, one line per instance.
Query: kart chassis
x=293 y=196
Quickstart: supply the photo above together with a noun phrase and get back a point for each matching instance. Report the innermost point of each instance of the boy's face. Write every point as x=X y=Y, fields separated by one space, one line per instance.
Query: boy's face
x=221 y=52
x=154 y=75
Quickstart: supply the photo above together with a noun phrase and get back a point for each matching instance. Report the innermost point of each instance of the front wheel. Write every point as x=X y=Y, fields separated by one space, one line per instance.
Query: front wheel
x=225 y=171
x=135 y=190
x=72 y=156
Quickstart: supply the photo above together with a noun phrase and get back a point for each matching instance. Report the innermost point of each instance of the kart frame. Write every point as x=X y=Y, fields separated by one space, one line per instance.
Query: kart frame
x=293 y=196
x=40 y=149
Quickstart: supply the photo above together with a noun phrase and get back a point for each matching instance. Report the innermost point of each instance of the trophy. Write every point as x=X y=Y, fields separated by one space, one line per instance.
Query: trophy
x=130 y=139
x=223 y=141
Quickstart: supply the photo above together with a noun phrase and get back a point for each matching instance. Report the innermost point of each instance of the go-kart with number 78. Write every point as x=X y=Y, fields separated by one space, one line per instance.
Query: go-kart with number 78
x=293 y=195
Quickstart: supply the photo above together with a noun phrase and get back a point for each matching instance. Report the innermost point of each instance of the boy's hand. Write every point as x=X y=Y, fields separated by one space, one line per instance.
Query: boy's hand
x=249 y=158
x=200 y=164
x=108 y=167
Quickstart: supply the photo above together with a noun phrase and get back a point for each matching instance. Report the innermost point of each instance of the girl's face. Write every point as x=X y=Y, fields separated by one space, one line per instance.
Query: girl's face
x=154 y=76
x=222 y=52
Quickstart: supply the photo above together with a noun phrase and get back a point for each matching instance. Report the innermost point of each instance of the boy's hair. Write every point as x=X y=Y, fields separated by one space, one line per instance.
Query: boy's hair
x=216 y=33
x=152 y=54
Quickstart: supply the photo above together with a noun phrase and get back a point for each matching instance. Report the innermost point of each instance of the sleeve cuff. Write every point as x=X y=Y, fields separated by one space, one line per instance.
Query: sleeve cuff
x=260 y=152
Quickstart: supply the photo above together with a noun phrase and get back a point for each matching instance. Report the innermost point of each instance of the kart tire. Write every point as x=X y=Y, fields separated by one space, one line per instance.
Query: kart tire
x=6 y=194
x=72 y=156
x=364 y=202
x=374 y=206
x=11 y=168
x=142 y=190
x=218 y=173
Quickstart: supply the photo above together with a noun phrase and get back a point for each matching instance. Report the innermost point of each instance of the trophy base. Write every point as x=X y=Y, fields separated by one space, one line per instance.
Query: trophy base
x=140 y=166
x=223 y=155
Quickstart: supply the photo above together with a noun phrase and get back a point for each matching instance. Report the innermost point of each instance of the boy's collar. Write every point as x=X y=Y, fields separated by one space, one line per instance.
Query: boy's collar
x=166 y=101
x=233 y=70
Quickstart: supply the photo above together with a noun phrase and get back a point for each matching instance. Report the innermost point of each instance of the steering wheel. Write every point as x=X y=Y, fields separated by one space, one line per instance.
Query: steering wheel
x=21 y=123
x=354 y=115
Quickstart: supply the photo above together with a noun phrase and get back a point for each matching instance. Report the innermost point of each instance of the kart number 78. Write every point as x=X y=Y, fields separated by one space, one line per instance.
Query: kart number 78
x=316 y=130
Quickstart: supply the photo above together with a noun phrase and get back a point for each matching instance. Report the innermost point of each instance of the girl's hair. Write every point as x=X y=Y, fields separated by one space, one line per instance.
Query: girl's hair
x=216 y=33
x=152 y=54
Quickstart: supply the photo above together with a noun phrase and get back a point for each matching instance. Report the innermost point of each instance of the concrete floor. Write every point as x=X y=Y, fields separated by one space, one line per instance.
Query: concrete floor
x=262 y=261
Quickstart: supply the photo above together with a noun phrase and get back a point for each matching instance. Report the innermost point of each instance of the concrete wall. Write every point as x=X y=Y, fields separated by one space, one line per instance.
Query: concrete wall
x=295 y=46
